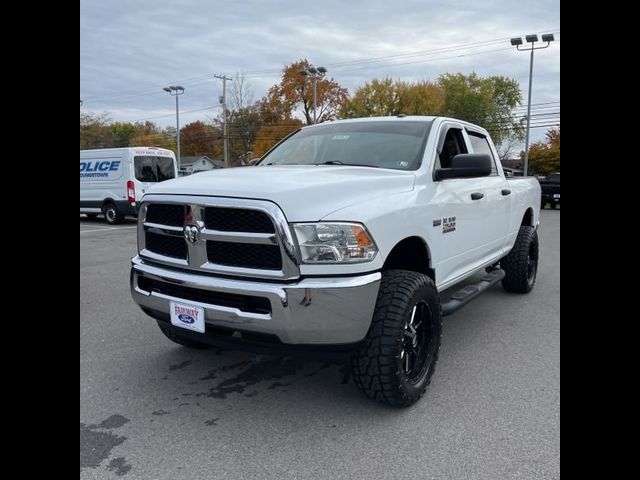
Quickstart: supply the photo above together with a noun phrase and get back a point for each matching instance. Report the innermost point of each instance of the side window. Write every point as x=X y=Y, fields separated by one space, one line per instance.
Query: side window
x=480 y=144
x=452 y=146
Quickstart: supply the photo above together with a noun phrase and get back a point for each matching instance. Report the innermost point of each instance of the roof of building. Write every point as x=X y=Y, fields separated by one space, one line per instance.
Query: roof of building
x=189 y=160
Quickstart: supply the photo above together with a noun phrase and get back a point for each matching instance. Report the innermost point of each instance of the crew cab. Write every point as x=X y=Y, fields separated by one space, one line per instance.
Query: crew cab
x=339 y=241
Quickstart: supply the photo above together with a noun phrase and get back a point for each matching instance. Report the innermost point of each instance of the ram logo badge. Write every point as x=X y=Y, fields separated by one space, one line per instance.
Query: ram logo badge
x=191 y=233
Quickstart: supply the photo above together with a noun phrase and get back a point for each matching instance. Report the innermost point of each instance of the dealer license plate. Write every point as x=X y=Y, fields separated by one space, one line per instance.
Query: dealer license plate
x=187 y=316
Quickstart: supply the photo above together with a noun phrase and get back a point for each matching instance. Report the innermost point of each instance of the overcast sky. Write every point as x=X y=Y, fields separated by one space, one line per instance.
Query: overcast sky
x=130 y=49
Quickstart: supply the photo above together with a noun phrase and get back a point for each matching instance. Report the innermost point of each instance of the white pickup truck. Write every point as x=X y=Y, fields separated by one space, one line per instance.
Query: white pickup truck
x=339 y=242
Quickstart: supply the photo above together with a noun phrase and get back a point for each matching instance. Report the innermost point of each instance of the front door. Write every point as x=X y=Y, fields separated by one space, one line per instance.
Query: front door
x=462 y=217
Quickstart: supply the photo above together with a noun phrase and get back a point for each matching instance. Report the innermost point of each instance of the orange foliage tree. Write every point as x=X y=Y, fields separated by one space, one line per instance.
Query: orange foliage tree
x=296 y=90
x=197 y=138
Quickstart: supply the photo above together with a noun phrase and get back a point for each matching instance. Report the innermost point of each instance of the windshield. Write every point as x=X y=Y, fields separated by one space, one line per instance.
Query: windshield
x=153 y=169
x=393 y=144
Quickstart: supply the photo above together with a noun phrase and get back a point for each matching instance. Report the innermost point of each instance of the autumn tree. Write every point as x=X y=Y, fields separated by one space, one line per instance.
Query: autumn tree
x=98 y=131
x=148 y=134
x=270 y=134
x=544 y=157
x=386 y=97
x=488 y=102
x=296 y=91
x=197 y=138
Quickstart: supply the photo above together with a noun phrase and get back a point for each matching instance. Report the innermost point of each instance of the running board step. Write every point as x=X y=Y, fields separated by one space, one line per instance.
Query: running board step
x=468 y=293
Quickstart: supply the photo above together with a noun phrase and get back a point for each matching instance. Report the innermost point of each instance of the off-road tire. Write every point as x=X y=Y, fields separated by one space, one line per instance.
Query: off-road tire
x=521 y=264
x=377 y=366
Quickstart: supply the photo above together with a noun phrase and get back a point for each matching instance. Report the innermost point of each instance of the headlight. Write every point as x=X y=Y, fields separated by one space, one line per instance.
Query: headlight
x=334 y=243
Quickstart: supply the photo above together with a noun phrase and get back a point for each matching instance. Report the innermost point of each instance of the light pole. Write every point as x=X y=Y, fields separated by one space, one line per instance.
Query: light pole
x=314 y=74
x=176 y=91
x=517 y=42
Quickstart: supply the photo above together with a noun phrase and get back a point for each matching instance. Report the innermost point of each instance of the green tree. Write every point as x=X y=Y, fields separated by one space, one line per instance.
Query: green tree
x=488 y=102
x=386 y=97
x=544 y=157
x=94 y=131
x=122 y=133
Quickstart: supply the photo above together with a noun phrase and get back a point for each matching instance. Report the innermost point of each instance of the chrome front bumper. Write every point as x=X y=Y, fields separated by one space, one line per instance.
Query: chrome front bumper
x=312 y=311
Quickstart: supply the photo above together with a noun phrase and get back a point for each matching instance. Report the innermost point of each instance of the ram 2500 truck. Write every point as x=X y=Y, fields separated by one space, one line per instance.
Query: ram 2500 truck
x=339 y=241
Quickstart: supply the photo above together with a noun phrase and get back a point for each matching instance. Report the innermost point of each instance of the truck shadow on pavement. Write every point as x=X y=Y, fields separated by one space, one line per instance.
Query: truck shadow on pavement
x=218 y=374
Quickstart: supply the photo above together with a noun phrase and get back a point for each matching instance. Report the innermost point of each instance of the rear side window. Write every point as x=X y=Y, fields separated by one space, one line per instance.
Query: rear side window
x=153 y=169
x=480 y=144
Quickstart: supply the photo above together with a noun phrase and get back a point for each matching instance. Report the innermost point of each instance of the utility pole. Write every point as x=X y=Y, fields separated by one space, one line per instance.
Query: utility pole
x=224 y=117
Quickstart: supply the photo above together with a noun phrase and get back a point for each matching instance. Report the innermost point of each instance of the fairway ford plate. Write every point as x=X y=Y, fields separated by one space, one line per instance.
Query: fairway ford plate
x=186 y=316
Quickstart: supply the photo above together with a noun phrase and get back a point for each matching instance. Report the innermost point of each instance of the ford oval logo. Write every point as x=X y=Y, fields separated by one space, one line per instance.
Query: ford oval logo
x=186 y=318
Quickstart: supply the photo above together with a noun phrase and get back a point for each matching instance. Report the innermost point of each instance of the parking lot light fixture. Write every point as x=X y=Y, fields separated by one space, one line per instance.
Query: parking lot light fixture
x=175 y=91
x=314 y=74
x=517 y=42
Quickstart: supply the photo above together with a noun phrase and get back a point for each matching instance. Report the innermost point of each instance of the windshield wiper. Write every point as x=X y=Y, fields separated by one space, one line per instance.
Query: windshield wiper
x=338 y=162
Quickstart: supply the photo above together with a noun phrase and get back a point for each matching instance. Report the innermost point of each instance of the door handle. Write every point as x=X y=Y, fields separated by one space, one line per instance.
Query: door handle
x=477 y=195
x=506 y=191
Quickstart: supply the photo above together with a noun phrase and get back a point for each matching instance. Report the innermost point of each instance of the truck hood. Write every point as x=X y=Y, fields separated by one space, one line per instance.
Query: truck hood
x=304 y=192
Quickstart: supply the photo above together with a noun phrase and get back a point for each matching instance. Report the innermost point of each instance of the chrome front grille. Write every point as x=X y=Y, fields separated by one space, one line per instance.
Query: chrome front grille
x=249 y=238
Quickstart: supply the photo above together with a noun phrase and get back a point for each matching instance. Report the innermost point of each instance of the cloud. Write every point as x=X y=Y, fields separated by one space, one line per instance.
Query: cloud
x=129 y=49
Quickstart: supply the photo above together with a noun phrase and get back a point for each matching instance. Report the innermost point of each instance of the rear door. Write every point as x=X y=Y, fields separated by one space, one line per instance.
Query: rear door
x=149 y=169
x=497 y=198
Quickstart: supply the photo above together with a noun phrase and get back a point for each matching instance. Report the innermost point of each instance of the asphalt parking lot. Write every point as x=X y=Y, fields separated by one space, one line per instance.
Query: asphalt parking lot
x=151 y=409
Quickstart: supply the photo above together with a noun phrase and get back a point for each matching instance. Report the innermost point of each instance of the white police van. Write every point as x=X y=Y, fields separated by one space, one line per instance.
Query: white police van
x=112 y=180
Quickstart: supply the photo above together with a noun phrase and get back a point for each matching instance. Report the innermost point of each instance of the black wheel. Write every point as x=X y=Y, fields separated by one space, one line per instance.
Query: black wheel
x=553 y=205
x=521 y=264
x=112 y=215
x=180 y=340
x=396 y=360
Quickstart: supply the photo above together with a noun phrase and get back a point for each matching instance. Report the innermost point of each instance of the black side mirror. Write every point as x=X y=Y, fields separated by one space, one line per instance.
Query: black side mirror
x=466 y=165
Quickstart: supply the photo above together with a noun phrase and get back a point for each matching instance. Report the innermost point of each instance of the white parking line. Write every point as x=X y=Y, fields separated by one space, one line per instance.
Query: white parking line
x=106 y=229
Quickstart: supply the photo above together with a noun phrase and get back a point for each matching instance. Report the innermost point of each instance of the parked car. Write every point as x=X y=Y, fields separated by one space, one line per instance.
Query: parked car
x=550 y=190
x=339 y=242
